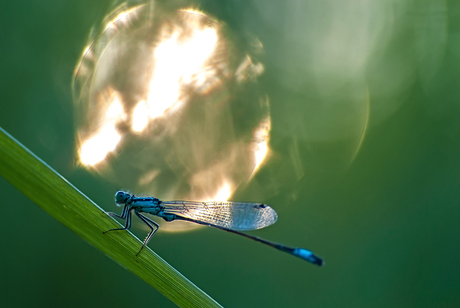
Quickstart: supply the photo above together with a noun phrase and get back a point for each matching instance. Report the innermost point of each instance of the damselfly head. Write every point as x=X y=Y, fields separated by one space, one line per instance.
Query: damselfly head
x=121 y=197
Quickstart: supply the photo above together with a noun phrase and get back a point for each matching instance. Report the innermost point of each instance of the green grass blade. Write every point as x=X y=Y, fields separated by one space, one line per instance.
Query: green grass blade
x=50 y=191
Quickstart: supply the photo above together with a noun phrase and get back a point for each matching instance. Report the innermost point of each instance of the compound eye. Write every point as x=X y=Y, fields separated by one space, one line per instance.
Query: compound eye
x=121 y=197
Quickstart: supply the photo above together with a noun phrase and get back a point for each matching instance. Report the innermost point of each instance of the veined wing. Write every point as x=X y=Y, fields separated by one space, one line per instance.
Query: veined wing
x=239 y=216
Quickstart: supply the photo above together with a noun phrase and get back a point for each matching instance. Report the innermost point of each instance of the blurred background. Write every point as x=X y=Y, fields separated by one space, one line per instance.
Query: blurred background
x=343 y=116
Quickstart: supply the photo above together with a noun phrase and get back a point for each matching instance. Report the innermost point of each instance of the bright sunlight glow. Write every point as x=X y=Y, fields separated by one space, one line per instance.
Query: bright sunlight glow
x=140 y=117
x=223 y=194
x=261 y=140
x=95 y=148
x=180 y=60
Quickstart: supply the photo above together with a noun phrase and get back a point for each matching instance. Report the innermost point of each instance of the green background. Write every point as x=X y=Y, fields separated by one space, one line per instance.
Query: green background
x=385 y=218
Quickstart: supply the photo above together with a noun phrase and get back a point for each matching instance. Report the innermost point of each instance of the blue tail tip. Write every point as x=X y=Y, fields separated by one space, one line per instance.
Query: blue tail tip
x=308 y=256
x=318 y=261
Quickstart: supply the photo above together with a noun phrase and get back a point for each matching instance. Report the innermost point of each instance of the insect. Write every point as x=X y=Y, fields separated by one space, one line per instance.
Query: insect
x=224 y=215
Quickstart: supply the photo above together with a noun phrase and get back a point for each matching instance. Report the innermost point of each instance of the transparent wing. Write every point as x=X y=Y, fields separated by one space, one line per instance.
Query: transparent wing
x=239 y=216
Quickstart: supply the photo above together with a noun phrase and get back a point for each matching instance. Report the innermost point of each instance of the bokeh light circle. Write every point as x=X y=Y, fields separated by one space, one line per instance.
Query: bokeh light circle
x=167 y=104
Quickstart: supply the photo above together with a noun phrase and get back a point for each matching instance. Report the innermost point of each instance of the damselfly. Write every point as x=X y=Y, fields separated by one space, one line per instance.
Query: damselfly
x=225 y=215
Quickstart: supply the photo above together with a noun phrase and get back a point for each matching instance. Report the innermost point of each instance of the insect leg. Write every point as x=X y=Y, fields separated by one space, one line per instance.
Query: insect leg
x=123 y=213
x=153 y=227
x=127 y=213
